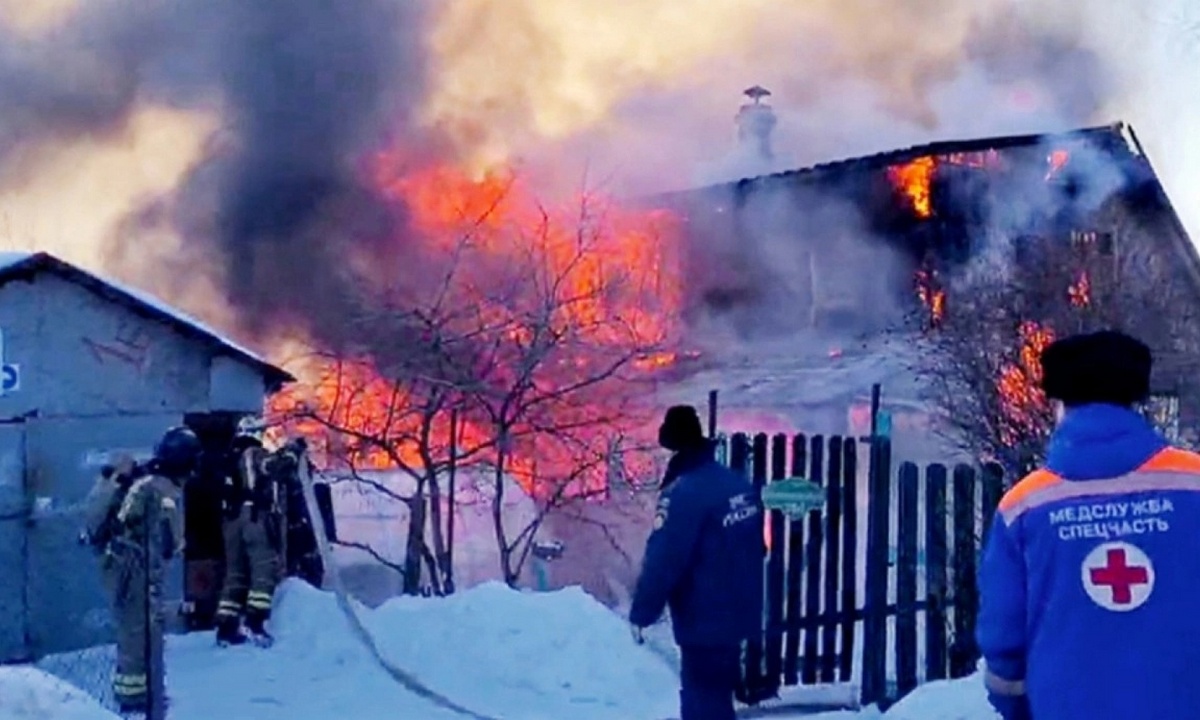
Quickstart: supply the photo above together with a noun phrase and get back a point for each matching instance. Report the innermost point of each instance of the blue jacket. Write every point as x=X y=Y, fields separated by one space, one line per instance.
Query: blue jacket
x=705 y=556
x=1090 y=580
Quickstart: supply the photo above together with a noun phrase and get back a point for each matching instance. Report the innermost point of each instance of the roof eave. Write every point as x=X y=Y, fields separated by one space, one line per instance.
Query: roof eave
x=276 y=377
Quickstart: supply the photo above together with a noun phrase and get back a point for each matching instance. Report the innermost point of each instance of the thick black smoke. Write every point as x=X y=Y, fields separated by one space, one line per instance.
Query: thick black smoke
x=305 y=88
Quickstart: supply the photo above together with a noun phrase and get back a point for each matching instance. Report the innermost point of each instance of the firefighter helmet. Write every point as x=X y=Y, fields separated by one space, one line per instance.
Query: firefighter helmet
x=178 y=451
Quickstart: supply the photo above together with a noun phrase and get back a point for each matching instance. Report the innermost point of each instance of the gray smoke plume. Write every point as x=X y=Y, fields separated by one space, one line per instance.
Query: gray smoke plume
x=305 y=88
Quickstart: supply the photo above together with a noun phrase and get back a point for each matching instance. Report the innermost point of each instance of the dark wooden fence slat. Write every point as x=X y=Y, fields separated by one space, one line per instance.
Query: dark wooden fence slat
x=849 y=507
x=935 y=573
x=812 y=567
x=795 y=612
x=775 y=568
x=906 y=577
x=992 y=479
x=963 y=653
x=874 y=672
x=739 y=454
x=755 y=649
x=833 y=560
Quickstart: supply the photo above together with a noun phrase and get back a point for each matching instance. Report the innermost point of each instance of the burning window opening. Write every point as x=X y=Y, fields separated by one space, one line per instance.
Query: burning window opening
x=1056 y=160
x=932 y=296
x=1080 y=291
x=915 y=180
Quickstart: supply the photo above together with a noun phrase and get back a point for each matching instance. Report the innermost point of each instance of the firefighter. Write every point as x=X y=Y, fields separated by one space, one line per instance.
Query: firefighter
x=102 y=503
x=251 y=530
x=141 y=494
x=704 y=561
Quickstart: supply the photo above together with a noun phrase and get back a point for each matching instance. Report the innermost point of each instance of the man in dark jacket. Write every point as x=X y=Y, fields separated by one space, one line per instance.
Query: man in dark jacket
x=704 y=559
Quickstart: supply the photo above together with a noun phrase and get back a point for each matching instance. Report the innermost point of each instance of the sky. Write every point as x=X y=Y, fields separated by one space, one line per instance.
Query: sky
x=161 y=141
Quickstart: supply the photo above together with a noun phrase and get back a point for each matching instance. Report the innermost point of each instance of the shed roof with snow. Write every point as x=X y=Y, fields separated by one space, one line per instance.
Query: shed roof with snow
x=23 y=265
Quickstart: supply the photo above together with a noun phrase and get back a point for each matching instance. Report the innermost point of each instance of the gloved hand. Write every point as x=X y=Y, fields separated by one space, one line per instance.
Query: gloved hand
x=1011 y=707
x=636 y=632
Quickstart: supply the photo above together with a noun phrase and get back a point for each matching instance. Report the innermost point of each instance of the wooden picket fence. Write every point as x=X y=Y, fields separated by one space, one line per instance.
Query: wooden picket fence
x=824 y=621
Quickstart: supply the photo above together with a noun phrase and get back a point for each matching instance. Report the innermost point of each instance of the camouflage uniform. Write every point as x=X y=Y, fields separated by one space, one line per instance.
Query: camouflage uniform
x=251 y=535
x=129 y=571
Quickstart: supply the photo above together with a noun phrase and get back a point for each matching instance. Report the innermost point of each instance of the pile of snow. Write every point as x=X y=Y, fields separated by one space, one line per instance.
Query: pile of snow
x=963 y=699
x=27 y=693
x=499 y=652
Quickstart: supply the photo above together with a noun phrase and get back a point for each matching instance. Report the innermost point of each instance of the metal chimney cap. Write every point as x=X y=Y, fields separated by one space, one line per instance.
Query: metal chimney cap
x=756 y=93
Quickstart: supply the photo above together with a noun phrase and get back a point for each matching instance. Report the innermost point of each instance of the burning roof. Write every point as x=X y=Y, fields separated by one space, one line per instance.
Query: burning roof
x=938 y=204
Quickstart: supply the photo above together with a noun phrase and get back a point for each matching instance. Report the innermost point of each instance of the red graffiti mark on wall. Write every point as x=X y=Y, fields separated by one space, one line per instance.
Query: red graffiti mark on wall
x=129 y=345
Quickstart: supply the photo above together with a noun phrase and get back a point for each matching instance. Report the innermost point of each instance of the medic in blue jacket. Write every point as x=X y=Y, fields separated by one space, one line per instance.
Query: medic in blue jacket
x=1090 y=580
x=705 y=560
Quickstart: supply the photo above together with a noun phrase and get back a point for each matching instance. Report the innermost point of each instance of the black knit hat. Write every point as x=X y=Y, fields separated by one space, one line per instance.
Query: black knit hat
x=680 y=429
x=1103 y=367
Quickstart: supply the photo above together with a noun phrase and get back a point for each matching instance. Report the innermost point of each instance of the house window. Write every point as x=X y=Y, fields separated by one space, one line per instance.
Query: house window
x=1099 y=243
x=1162 y=411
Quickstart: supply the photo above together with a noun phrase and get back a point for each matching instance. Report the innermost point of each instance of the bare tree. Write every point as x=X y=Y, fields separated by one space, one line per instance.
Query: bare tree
x=987 y=325
x=531 y=333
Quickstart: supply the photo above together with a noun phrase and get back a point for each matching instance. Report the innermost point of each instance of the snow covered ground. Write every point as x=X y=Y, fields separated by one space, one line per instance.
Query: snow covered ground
x=501 y=653
x=27 y=693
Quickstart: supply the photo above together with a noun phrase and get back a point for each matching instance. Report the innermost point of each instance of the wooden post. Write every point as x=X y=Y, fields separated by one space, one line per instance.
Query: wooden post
x=712 y=414
x=876 y=397
x=935 y=573
x=874 y=674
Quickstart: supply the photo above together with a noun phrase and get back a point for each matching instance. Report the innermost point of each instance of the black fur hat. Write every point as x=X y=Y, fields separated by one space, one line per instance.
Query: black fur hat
x=1102 y=367
x=680 y=429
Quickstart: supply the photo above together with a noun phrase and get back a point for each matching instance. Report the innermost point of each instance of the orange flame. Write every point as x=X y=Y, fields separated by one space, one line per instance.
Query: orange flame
x=1056 y=160
x=603 y=280
x=1022 y=401
x=932 y=296
x=1080 y=291
x=915 y=180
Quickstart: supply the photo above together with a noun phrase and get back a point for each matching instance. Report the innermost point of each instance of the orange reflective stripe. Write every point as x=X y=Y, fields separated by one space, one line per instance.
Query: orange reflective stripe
x=1035 y=481
x=1173 y=460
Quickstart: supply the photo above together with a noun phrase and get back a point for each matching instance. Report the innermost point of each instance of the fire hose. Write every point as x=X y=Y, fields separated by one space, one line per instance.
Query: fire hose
x=401 y=676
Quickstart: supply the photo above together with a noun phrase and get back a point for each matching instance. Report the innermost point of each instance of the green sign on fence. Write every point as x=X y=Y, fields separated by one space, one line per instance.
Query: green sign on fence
x=883 y=424
x=795 y=496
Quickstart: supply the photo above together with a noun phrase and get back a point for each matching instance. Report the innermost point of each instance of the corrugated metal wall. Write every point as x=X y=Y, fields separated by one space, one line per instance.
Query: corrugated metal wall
x=95 y=378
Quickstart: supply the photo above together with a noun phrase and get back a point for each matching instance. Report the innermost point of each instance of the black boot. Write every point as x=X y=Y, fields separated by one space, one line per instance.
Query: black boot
x=132 y=705
x=229 y=631
x=256 y=626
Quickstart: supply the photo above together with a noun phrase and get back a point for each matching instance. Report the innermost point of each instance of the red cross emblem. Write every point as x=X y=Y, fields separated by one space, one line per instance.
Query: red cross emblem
x=1118 y=576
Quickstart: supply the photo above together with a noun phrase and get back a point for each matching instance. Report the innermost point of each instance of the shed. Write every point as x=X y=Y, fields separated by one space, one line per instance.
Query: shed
x=88 y=368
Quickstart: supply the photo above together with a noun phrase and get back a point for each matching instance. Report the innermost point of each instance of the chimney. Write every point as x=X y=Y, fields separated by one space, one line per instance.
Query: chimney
x=755 y=121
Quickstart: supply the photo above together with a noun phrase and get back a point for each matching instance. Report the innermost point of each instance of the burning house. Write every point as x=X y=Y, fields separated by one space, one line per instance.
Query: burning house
x=852 y=265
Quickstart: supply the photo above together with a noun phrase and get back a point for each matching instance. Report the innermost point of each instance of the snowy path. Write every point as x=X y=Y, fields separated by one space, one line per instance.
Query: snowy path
x=506 y=654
